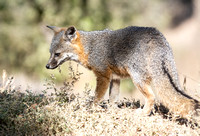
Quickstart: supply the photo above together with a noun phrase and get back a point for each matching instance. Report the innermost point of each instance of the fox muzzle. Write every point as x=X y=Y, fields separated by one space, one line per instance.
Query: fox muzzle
x=48 y=66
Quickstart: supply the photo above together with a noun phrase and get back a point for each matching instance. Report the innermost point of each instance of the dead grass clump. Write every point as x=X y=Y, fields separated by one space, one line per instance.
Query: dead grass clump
x=64 y=113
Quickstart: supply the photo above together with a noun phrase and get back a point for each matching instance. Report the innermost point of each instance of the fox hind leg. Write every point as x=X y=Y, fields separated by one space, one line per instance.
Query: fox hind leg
x=142 y=82
x=149 y=97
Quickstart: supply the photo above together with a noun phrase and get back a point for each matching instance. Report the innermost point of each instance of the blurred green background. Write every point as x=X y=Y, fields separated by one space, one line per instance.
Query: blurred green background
x=24 y=39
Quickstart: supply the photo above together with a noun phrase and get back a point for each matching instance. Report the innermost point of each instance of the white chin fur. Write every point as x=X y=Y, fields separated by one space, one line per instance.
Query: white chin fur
x=70 y=56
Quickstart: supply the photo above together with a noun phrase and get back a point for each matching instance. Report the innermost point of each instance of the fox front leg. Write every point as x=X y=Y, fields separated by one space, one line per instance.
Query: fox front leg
x=114 y=90
x=101 y=87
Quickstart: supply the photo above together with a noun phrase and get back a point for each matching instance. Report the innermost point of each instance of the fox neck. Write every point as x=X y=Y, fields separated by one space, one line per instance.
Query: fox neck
x=80 y=51
x=88 y=41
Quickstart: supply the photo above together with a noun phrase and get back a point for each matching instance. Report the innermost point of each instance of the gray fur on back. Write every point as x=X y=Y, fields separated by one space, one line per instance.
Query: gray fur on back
x=140 y=49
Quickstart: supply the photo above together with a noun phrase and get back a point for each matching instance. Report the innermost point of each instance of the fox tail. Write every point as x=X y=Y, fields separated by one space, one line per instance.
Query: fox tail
x=170 y=93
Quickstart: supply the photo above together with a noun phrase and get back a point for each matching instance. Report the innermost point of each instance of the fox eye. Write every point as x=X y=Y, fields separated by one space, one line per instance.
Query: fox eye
x=57 y=54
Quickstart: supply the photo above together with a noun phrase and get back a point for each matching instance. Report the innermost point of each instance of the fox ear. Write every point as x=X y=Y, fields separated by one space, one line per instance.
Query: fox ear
x=70 y=33
x=54 y=28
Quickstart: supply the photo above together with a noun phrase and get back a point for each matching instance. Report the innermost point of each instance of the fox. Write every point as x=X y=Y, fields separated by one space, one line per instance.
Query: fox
x=140 y=53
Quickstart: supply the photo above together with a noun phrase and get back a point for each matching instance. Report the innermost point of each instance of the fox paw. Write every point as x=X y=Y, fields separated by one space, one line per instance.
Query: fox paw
x=143 y=112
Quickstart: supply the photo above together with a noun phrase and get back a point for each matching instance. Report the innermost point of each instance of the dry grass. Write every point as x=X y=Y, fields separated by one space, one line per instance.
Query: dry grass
x=66 y=113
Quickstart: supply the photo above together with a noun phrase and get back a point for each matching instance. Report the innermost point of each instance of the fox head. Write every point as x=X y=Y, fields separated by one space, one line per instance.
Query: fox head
x=64 y=46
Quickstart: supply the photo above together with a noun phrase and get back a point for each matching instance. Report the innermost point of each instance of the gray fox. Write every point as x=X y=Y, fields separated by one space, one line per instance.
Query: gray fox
x=141 y=53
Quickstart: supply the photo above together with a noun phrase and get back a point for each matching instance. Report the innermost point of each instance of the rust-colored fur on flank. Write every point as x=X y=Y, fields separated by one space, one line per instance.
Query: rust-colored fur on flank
x=119 y=71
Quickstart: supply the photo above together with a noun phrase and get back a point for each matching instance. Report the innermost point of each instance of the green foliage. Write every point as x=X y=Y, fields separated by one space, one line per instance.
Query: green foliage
x=127 y=85
x=15 y=105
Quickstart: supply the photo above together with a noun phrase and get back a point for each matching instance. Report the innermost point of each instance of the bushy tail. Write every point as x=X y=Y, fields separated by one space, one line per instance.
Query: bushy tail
x=170 y=94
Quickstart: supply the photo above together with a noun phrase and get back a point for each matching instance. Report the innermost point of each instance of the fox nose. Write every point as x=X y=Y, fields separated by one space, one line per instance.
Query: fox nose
x=47 y=66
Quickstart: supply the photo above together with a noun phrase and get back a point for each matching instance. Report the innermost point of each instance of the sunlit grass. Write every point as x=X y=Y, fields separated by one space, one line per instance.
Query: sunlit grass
x=64 y=113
